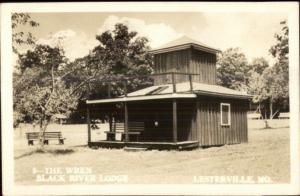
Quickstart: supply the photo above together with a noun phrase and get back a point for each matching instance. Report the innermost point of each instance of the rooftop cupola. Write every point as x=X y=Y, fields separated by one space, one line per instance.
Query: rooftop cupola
x=185 y=55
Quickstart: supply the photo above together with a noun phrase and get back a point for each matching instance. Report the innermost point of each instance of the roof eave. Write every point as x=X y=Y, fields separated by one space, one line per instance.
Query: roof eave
x=223 y=95
x=185 y=46
x=143 y=98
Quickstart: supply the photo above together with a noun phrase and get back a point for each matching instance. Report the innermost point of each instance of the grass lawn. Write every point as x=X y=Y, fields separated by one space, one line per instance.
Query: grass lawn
x=266 y=154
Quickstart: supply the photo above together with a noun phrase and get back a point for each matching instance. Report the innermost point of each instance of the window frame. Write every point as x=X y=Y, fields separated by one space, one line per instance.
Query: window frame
x=229 y=114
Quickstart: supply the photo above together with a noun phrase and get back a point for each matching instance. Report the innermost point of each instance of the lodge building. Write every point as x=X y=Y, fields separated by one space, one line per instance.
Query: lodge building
x=184 y=109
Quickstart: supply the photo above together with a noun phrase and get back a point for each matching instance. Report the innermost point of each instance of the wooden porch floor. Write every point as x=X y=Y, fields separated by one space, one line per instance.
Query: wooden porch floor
x=185 y=145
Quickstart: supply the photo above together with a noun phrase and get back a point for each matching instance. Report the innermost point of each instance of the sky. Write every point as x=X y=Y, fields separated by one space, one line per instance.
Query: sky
x=252 y=32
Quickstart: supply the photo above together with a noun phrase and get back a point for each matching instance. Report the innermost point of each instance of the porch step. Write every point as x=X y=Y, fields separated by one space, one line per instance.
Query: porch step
x=134 y=149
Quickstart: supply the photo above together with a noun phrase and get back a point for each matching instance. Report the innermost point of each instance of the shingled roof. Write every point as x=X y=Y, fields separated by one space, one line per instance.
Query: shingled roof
x=181 y=43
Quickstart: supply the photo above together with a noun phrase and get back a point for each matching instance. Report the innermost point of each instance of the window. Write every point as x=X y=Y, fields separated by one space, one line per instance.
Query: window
x=225 y=114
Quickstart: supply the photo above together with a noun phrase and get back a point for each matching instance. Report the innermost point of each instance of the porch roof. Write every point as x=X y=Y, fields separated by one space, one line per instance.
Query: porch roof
x=198 y=88
x=141 y=98
x=182 y=91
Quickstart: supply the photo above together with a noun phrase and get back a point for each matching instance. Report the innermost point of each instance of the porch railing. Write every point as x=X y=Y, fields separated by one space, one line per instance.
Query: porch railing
x=155 y=79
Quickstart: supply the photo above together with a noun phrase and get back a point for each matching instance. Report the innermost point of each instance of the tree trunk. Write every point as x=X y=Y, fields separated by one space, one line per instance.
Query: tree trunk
x=271 y=108
x=43 y=127
x=266 y=118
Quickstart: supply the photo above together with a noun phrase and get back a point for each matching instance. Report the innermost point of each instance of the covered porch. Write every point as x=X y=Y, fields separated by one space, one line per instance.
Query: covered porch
x=151 y=122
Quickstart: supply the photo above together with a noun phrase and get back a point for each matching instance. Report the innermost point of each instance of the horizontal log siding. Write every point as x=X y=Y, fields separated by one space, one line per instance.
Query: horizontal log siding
x=209 y=131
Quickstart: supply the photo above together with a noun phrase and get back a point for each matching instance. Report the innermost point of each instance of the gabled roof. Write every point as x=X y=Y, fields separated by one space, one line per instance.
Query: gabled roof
x=181 y=43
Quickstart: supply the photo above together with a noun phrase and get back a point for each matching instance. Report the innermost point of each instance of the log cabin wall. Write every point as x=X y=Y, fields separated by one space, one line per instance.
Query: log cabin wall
x=206 y=123
x=185 y=61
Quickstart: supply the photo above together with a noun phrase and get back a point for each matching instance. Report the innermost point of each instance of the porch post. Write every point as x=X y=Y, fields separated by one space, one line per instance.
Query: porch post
x=110 y=115
x=88 y=114
x=174 y=120
x=126 y=122
x=88 y=124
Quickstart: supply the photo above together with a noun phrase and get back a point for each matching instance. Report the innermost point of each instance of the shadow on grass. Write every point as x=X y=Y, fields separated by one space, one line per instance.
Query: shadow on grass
x=48 y=151
x=271 y=128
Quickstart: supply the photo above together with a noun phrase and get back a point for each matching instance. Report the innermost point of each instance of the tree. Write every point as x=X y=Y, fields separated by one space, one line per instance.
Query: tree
x=280 y=71
x=120 y=56
x=40 y=90
x=232 y=65
x=271 y=88
x=256 y=75
x=21 y=37
x=258 y=65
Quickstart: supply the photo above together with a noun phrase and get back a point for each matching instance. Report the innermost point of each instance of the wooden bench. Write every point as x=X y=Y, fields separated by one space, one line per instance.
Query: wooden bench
x=134 y=128
x=31 y=136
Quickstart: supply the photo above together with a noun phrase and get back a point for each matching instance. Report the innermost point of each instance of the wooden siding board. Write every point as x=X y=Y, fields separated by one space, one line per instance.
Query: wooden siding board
x=217 y=125
x=210 y=134
x=233 y=124
x=244 y=120
x=241 y=129
x=201 y=120
x=204 y=117
x=207 y=125
x=210 y=129
x=244 y=116
x=214 y=127
x=238 y=131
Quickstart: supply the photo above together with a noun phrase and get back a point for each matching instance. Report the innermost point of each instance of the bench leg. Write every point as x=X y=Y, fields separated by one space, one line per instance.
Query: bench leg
x=46 y=142
x=61 y=141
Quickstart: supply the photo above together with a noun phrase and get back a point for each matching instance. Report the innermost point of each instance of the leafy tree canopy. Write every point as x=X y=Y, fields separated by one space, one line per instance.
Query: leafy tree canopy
x=258 y=65
x=21 y=37
x=120 y=55
x=232 y=65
